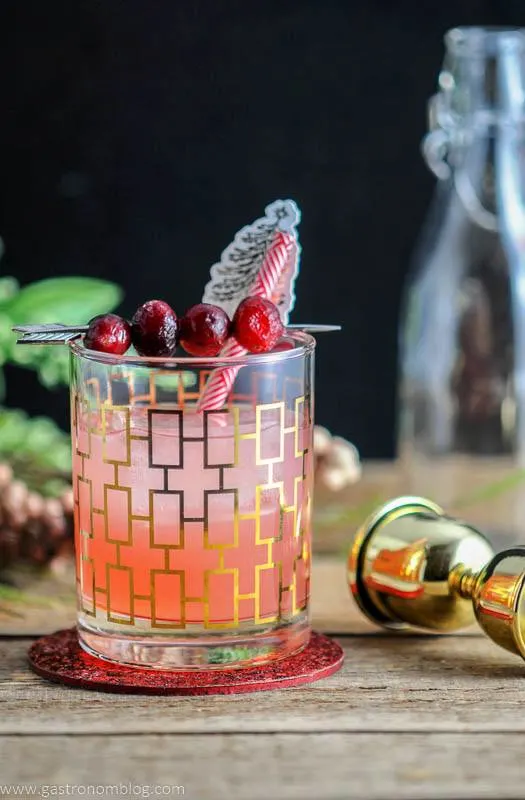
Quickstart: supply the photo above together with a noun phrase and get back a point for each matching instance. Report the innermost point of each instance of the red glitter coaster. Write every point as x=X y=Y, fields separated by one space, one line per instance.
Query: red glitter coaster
x=60 y=658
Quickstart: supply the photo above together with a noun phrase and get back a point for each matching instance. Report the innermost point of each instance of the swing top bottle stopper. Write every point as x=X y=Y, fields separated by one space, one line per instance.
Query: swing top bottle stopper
x=411 y=565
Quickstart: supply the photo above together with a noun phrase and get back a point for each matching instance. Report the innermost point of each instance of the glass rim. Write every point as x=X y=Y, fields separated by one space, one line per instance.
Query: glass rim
x=304 y=344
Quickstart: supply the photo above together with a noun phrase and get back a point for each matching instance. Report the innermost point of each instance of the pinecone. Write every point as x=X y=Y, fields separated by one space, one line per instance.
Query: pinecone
x=337 y=463
x=33 y=528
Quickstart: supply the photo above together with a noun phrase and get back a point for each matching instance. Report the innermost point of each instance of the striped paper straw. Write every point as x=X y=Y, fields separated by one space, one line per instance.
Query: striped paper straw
x=266 y=284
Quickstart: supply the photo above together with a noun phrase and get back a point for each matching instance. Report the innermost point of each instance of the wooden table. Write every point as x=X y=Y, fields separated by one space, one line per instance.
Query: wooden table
x=407 y=717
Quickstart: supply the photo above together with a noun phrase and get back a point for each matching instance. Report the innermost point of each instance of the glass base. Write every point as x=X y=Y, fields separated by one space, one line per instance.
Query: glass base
x=197 y=651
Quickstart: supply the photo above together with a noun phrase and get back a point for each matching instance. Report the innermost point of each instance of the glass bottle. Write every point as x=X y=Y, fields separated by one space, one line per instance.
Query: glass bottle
x=462 y=382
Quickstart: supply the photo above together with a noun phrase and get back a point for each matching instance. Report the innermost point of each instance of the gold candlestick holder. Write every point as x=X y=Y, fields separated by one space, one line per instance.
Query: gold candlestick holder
x=412 y=566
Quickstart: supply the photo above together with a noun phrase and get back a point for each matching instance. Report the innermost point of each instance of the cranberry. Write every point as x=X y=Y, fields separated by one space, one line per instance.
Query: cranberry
x=257 y=325
x=154 y=329
x=204 y=329
x=108 y=333
x=282 y=346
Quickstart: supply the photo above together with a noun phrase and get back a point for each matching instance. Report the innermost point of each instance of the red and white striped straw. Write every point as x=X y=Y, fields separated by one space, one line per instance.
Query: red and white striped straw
x=276 y=261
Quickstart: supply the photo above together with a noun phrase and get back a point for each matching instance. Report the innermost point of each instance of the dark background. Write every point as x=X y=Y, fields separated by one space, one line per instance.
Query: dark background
x=136 y=136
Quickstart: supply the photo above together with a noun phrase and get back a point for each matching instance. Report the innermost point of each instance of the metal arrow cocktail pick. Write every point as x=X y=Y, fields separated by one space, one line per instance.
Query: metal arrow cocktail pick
x=49 y=333
x=56 y=333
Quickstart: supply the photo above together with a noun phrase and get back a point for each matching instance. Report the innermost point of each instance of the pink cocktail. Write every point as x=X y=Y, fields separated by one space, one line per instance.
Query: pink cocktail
x=192 y=528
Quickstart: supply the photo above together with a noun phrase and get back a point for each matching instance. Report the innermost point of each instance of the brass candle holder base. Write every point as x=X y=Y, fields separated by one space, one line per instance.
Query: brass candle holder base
x=412 y=566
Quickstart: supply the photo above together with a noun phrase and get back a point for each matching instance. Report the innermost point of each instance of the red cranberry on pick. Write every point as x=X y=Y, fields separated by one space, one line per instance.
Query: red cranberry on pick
x=154 y=329
x=282 y=346
x=108 y=333
x=257 y=325
x=204 y=330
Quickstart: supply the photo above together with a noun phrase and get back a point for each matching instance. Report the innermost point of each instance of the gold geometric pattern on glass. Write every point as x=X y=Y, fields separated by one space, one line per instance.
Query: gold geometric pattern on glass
x=260 y=574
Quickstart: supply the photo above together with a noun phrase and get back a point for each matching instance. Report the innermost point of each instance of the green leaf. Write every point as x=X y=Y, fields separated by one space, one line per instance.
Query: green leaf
x=68 y=300
x=20 y=596
x=51 y=363
x=7 y=338
x=491 y=491
x=9 y=287
x=37 y=449
x=51 y=300
x=225 y=655
x=171 y=382
x=168 y=381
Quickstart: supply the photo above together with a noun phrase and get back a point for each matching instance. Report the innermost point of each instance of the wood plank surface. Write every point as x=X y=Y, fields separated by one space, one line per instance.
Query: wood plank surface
x=324 y=766
x=388 y=684
x=408 y=716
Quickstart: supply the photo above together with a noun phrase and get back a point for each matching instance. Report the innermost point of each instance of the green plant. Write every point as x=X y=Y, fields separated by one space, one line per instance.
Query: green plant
x=37 y=449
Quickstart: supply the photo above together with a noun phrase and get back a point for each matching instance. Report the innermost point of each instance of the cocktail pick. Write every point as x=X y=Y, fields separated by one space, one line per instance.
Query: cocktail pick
x=49 y=333
x=262 y=259
x=55 y=333
x=412 y=566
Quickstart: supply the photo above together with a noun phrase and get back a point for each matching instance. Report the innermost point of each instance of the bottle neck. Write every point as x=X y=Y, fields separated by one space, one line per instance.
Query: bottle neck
x=481 y=91
x=477 y=118
x=482 y=81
